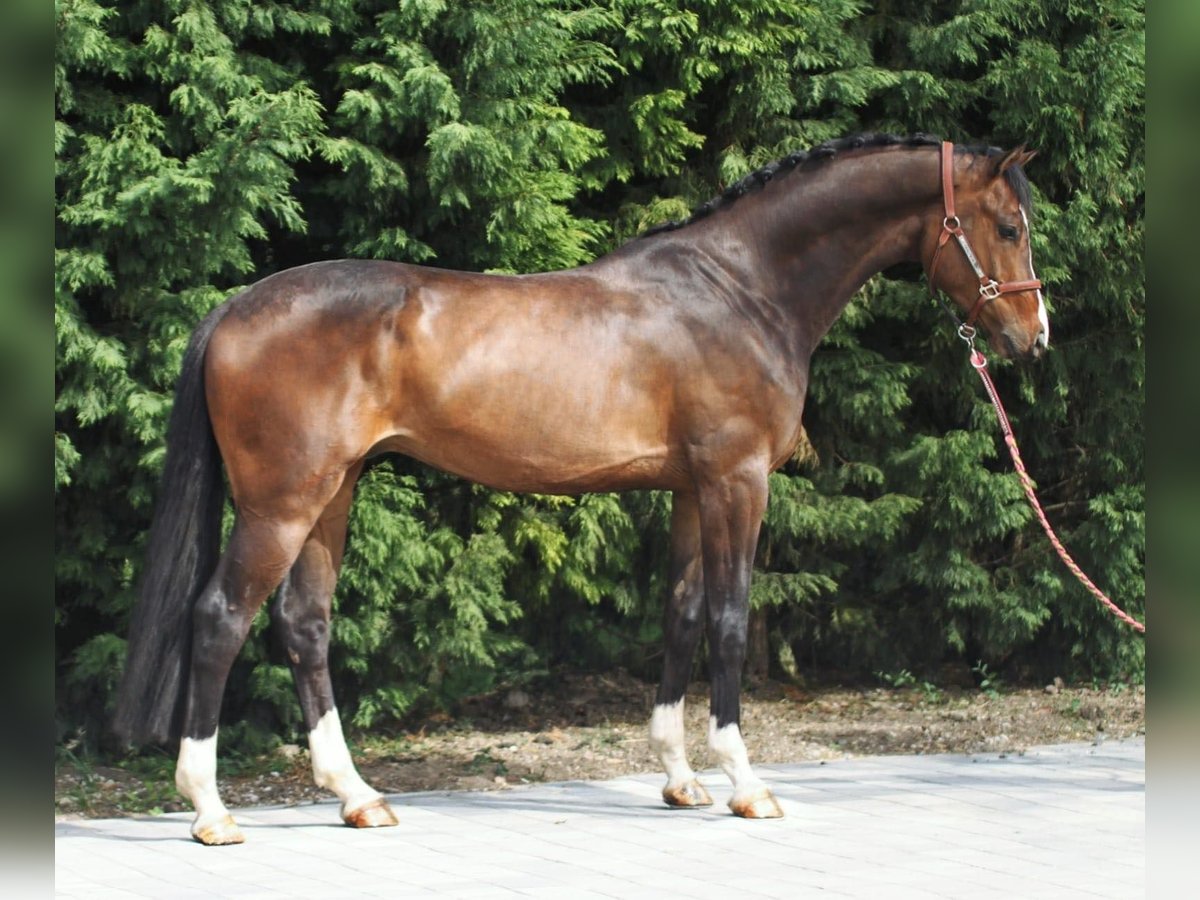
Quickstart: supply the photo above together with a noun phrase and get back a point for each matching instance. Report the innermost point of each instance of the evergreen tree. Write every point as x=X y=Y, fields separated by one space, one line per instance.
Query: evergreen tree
x=203 y=144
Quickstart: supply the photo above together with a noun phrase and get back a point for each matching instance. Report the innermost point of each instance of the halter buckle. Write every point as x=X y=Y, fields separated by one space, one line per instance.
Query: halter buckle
x=989 y=290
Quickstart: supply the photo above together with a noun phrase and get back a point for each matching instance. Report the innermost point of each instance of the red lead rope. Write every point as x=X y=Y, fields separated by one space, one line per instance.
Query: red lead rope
x=979 y=363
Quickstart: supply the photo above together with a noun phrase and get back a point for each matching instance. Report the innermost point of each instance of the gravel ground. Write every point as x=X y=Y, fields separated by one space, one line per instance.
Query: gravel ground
x=594 y=727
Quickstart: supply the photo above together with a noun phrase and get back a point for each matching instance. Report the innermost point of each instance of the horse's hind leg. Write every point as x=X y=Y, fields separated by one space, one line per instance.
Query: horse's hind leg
x=683 y=622
x=260 y=551
x=301 y=613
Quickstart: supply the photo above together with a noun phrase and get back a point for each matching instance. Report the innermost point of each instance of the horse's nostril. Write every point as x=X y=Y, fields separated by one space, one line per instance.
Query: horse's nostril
x=1040 y=344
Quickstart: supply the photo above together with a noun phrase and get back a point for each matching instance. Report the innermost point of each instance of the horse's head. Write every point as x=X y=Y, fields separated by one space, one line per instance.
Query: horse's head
x=980 y=254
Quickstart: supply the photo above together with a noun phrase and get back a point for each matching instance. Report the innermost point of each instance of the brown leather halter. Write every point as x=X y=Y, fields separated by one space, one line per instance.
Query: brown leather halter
x=989 y=289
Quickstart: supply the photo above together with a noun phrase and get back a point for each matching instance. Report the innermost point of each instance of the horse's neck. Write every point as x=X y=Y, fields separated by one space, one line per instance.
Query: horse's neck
x=816 y=236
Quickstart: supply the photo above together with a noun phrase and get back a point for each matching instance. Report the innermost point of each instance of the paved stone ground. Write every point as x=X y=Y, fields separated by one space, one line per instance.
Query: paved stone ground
x=1063 y=821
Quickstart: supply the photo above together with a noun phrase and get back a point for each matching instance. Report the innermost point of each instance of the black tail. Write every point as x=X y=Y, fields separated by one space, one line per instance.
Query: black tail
x=181 y=554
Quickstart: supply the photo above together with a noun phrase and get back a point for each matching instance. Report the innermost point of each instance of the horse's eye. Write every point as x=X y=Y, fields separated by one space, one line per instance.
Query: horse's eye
x=1008 y=232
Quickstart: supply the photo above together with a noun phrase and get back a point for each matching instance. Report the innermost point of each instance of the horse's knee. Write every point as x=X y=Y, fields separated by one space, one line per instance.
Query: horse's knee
x=685 y=621
x=727 y=638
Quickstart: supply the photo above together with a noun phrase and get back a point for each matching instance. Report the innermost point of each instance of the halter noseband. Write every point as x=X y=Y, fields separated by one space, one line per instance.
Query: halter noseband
x=989 y=289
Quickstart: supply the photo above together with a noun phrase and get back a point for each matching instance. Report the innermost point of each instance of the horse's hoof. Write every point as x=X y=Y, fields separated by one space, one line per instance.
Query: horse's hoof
x=376 y=814
x=759 y=805
x=218 y=834
x=687 y=796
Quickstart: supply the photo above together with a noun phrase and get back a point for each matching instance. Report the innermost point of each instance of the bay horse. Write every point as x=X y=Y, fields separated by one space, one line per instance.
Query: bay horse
x=677 y=362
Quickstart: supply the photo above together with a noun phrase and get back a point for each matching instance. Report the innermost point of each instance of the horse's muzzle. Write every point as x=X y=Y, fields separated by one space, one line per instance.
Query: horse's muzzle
x=1010 y=347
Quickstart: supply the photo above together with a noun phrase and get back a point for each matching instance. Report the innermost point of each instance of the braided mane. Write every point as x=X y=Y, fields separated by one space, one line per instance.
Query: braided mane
x=806 y=159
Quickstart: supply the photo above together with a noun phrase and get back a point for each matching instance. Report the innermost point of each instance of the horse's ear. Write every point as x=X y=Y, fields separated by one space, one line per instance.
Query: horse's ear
x=1018 y=156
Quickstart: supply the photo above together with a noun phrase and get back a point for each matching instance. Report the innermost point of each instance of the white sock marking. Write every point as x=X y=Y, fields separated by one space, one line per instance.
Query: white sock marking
x=196 y=778
x=727 y=746
x=333 y=768
x=667 y=739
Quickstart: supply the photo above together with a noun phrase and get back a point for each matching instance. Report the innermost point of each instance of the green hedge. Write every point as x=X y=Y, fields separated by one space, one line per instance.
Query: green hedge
x=203 y=145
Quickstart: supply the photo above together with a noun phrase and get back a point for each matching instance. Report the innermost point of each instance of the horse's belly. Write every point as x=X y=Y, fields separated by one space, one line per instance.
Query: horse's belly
x=514 y=463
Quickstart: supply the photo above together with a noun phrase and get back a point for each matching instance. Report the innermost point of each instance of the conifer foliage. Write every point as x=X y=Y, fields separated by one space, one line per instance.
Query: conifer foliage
x=203 y=144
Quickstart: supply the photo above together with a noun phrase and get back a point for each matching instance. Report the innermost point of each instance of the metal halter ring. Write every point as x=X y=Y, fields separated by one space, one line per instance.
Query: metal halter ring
x=951 y=228
x=967 y=333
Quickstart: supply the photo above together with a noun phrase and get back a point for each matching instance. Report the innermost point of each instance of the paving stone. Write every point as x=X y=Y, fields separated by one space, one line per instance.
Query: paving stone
x=1066 y=821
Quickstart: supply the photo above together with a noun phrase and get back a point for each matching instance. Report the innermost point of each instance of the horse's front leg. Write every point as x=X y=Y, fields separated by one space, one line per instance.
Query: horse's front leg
x=683 y=621
x=731 y=511
x=301 y=614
